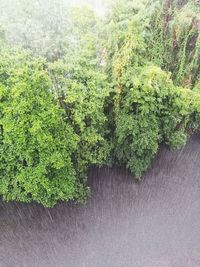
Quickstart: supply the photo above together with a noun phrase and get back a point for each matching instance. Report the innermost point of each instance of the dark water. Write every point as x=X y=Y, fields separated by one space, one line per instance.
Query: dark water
x=152 y=224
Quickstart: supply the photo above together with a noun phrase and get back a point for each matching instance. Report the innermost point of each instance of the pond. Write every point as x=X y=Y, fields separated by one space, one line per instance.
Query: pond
x=154 y=223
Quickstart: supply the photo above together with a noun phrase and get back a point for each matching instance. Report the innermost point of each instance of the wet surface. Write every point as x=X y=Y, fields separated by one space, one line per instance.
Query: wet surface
x=155 y=223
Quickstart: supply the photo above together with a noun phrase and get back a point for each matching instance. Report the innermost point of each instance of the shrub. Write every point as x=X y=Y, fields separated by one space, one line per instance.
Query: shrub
x=152 y=111
x=37 y=143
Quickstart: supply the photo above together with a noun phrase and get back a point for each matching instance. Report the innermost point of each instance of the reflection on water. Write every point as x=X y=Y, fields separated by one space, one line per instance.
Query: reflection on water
x=155 y=223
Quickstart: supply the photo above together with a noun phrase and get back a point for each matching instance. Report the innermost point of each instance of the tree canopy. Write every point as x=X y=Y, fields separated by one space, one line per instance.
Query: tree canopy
x=78 y=90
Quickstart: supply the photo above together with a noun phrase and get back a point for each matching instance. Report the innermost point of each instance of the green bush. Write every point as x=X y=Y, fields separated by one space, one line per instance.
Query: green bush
x=108 y=99
x=174 y=42
x=147 y=107
x=82 y=89
x=152 y=111
x=46 y=148
x=36 y=142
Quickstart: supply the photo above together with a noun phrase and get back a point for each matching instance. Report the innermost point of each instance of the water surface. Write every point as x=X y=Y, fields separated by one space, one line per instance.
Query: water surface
x=155 y=223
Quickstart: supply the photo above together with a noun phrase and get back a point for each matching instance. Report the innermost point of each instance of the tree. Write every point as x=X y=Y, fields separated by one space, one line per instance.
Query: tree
x=152 y=111
x=102 y=94
x=174 y=40
x=40 y=26
x=82 y=90
x=146 y=107
x=37 y=143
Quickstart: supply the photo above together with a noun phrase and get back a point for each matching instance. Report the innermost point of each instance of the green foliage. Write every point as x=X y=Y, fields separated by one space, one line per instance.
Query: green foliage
x=81 y=90
x=147 y=107
x=108 y=92
x=40 y=26
x=173 y=40
x=37 y=143
x=52 y=127
x=152 y=111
